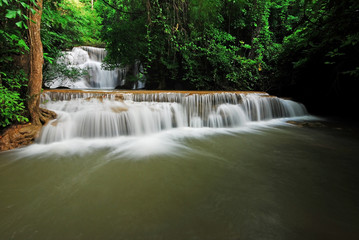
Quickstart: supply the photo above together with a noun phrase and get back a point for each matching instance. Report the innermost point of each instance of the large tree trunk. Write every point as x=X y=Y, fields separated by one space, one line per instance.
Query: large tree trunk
x=24 y=134
x=36 y=62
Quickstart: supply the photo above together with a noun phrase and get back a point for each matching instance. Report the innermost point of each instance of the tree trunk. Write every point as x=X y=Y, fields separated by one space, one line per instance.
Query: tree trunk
x=36 y=62
x=256 y=32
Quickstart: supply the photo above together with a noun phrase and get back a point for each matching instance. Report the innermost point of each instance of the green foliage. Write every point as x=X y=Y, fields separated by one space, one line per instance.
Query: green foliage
x=221 y=61
x=197 y=44
x=325 y=44
x=13 y=44
x=124 y=33
x=17 y=10
x=12 y=102
x=66 y=23
x=12 y=29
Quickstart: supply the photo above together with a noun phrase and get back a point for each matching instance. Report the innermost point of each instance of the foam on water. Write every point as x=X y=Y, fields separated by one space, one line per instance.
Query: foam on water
x=136 y=127
x=92 y=115
x=171 y=142
x=132 y=147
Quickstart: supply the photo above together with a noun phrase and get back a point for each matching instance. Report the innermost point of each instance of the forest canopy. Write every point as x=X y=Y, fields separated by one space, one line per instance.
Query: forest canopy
x=306 y=49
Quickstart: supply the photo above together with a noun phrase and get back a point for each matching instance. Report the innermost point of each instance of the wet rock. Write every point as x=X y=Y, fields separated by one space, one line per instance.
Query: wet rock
x=18 y=136
x=100 y=98
x=119 y=97
x=310 y=124
x=119 y=109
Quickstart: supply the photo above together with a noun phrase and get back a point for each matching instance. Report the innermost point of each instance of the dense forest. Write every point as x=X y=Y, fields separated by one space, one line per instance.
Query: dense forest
x=304 y=49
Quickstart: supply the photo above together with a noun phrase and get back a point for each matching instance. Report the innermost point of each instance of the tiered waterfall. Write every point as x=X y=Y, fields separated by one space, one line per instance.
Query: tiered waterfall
x=91 y=114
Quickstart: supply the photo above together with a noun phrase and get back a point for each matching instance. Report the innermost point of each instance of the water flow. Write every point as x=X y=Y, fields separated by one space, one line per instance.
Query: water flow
x=89 y=60
x=113 y=114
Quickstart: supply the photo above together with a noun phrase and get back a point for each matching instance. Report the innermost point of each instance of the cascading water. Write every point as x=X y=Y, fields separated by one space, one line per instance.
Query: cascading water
x=89 y=60
x=111 y=114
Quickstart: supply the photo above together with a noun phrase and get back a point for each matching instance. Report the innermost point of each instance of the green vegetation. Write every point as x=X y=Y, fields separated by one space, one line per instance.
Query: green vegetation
x=300 y=48
x=191 y=44
x=212 y=45
x=11 y=97
x=12 y=46
x=64 y=24
x=319 y=63
x=232 y=44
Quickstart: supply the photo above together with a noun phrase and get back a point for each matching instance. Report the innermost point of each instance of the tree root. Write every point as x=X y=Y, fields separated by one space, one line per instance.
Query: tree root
x=18 y=136
x=46 y=115
x=21 y=135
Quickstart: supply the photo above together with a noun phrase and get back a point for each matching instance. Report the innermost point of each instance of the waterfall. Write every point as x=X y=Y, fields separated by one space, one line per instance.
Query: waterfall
x=99 y=114
x=89 y=60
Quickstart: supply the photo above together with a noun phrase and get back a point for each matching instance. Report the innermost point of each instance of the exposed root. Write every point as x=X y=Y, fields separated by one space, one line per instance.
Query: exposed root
x=19 y=136
x=46 y=115
x=24 y=134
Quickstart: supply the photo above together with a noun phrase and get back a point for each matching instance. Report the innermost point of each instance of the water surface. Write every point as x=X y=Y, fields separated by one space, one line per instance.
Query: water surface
x=263 y=182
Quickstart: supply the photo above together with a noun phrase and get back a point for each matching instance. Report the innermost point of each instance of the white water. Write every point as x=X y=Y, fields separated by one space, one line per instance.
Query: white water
x=112 y=114
x=89 y=59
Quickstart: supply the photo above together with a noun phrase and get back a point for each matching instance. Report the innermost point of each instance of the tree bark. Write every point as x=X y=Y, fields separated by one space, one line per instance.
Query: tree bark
x=36 y=62
x=256 y=32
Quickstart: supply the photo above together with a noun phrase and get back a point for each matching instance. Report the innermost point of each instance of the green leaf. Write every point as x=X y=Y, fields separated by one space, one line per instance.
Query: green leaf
x=4 y=1
x=47 y=58
x=10 y=14
x=26 y=6
x=22 y=43
x=19 y=24
x=13 y=37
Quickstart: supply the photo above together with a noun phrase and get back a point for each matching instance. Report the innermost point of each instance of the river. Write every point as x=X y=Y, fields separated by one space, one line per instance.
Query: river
x=264 y=180
x=180 y=165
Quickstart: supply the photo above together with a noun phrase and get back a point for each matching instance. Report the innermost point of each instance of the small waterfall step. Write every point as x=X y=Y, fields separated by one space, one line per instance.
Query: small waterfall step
x=103 y=114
